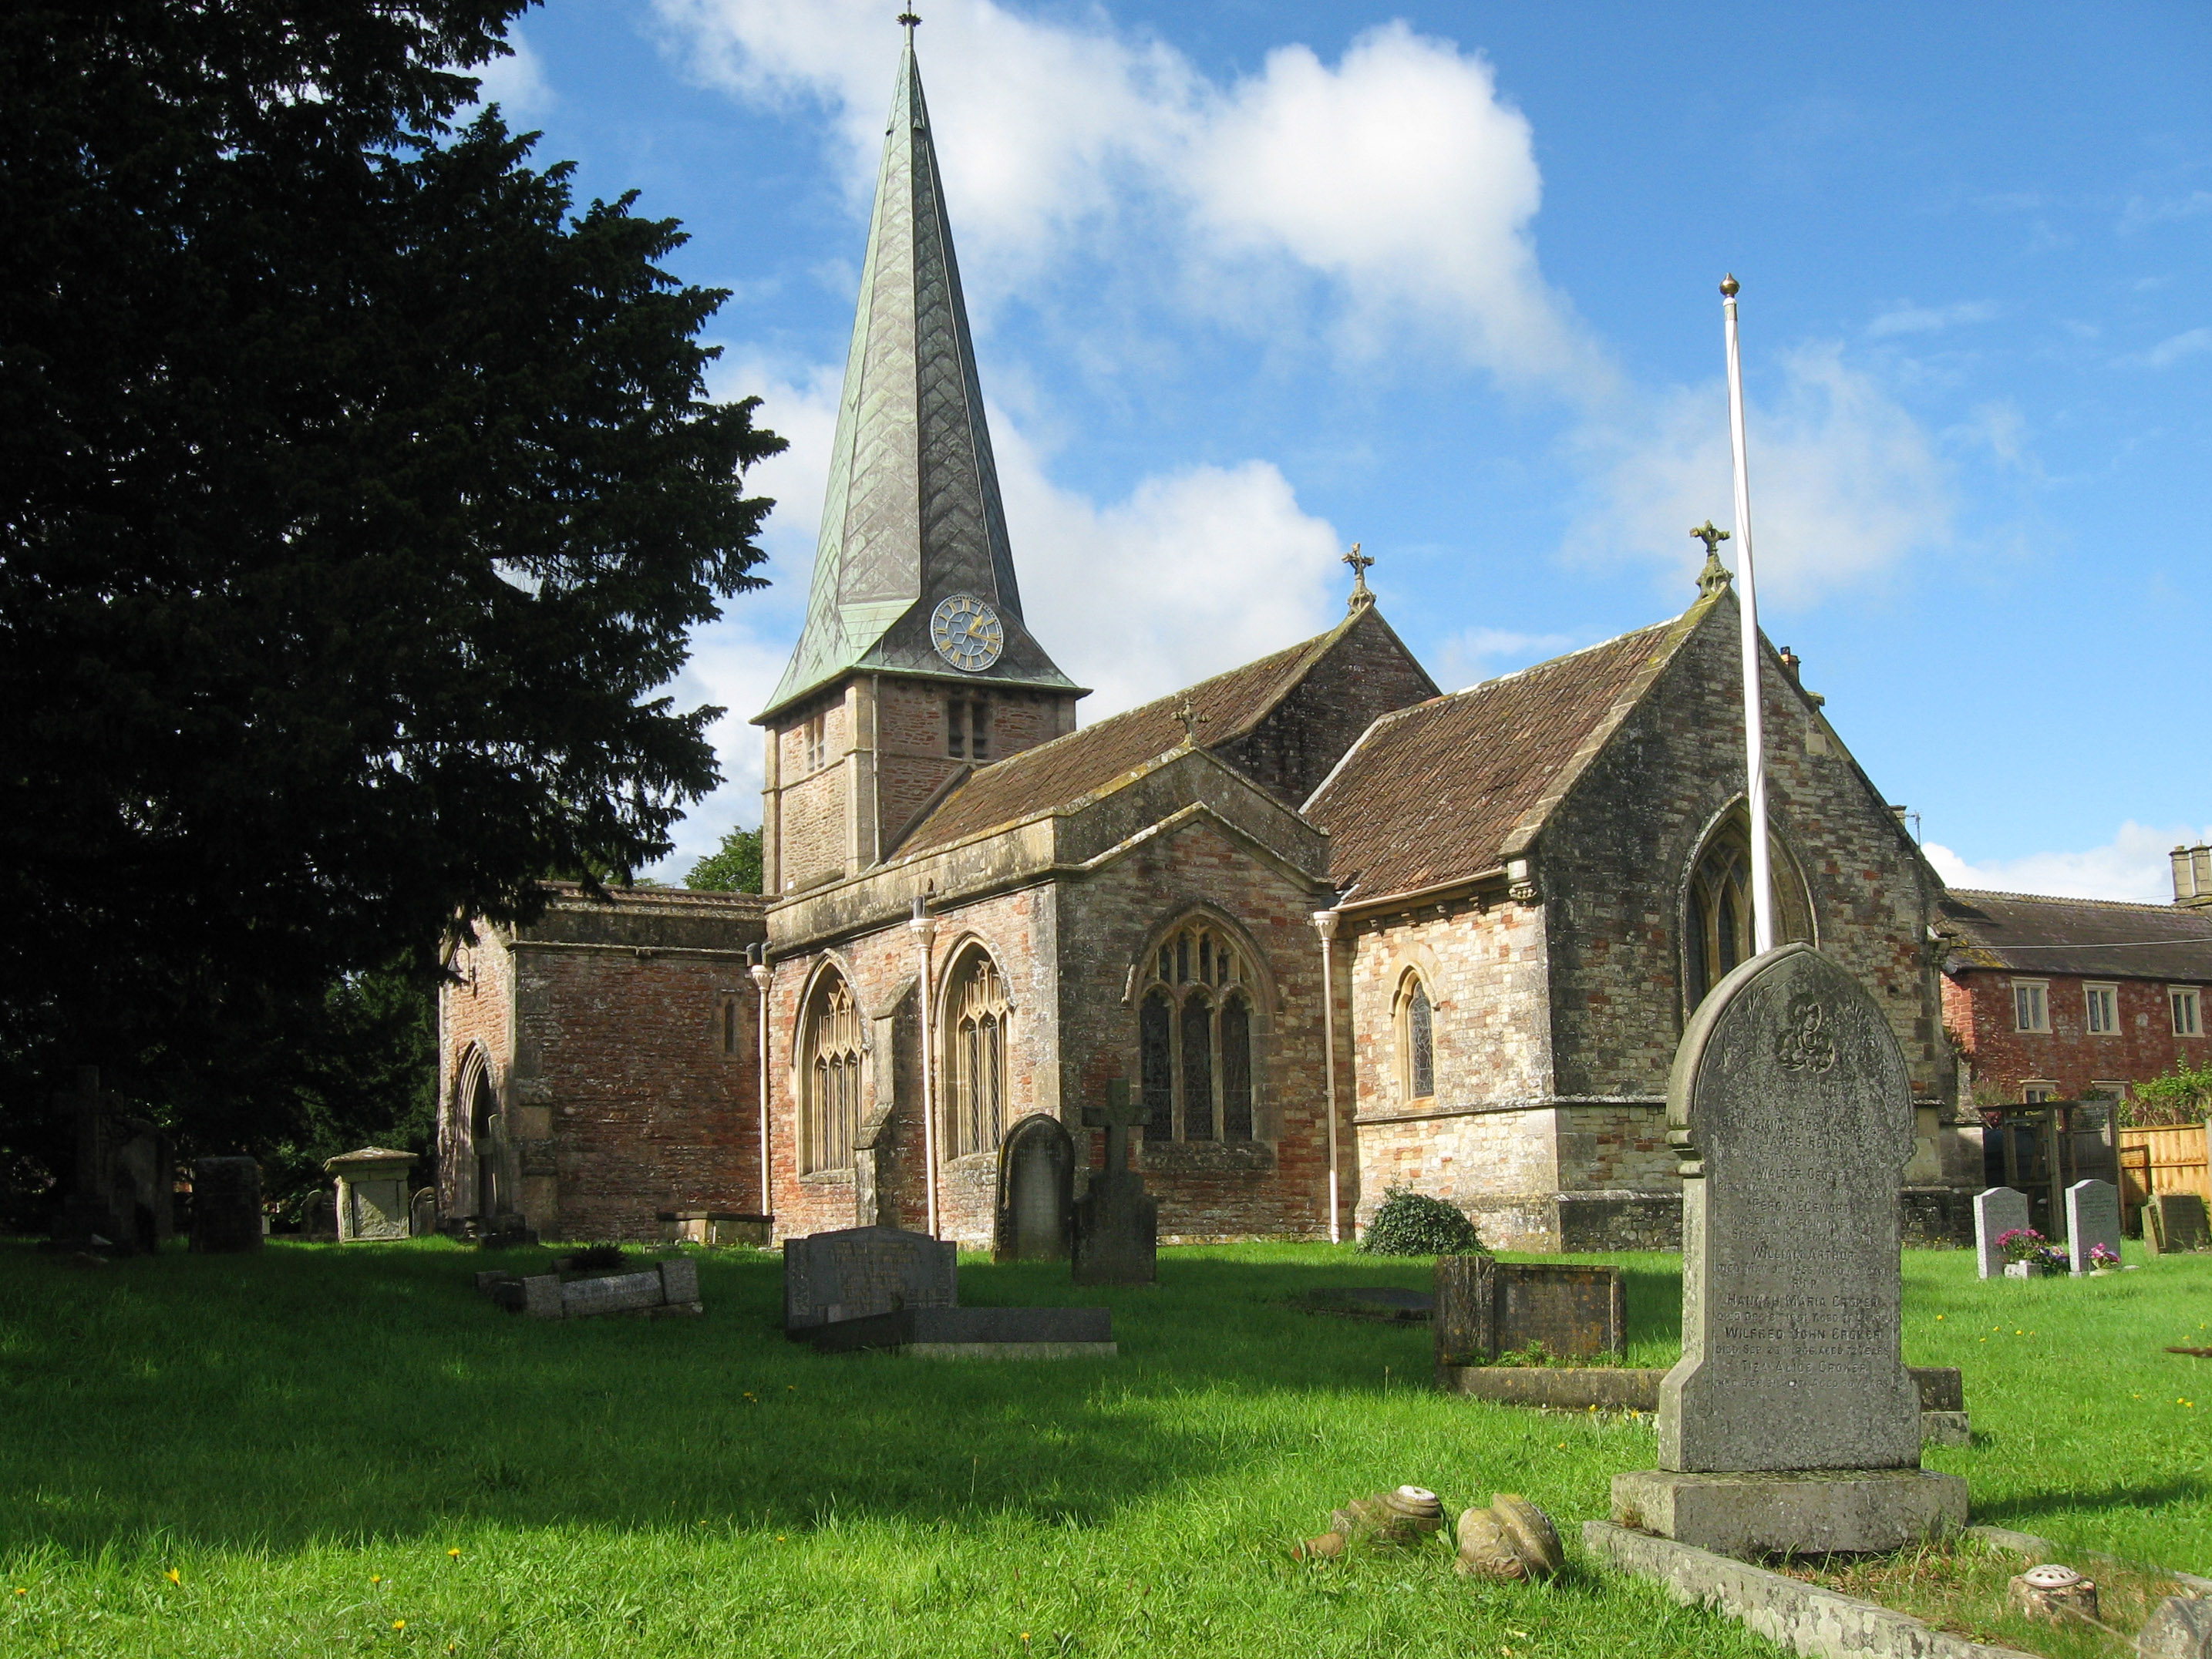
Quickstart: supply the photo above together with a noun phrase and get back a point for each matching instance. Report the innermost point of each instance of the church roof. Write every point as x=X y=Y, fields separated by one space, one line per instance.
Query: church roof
x=2033 y=933
x=1435 y=792
x=1068 y=768
x=912 y=516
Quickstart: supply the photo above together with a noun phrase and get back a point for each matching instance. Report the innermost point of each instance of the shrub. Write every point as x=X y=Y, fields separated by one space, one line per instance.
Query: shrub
x=1408 y=1223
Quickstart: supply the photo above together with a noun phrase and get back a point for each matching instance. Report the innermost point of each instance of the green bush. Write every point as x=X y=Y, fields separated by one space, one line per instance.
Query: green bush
x=1413 y=1224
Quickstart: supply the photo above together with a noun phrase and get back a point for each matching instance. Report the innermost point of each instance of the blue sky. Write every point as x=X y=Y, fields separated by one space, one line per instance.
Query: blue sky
x=1253 y=281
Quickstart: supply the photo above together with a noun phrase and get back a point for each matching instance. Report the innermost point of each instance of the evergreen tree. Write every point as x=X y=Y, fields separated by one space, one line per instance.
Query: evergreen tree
x=357 y=498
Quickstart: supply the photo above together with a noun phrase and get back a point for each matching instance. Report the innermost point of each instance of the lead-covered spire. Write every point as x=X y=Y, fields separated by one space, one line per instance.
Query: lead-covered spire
x=912 y=518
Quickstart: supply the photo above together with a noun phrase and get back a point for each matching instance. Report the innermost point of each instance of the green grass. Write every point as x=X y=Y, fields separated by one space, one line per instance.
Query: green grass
x=305 y=1437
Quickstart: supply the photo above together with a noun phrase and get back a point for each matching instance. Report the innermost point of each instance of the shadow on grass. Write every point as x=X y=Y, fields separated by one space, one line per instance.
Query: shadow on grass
x=2110 y=1498
x=312 y=1392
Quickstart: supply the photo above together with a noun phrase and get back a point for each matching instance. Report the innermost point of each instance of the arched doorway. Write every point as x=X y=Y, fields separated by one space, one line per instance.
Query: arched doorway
x=483 y=1139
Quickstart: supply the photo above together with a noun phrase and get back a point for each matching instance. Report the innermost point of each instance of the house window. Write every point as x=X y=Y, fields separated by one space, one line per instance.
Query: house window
x=832 y=1075
x=968 y=729
x=1417 y=1046
x=818 y=742
x=977 y=1016
x=2034 y=1094
x=2031 y=1006
x=1195 y=1040
x=2188 y=1002
x=2114 y=1091
x=2104 y=1009
x=1720 y=910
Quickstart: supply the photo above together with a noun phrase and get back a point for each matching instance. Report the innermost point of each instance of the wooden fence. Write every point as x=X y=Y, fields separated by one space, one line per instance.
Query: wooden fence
x=2165 y=1160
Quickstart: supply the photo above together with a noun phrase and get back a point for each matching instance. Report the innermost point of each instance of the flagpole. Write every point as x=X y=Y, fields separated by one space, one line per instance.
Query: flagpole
x=1754 y=728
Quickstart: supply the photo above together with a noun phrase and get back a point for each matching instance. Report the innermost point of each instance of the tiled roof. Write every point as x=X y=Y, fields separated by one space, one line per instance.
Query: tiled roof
x=2032 y=933
x=1083 y=762
x=1431 y=794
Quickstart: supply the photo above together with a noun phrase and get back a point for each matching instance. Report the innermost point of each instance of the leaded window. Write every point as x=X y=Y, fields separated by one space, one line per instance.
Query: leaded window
x=1417 y=1040
x=832 y=1074
x=978 y=1016
x=1194 y=1039
x=1721 y=912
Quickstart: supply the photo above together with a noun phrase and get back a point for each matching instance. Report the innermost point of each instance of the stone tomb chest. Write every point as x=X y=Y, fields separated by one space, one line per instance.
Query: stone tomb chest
x=1485 y=1308
x=858 y=1272
x=372 y=1199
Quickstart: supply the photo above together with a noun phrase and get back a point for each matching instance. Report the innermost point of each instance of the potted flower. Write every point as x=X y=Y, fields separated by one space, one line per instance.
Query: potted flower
x=2103 y=1258
x=2028 y=1255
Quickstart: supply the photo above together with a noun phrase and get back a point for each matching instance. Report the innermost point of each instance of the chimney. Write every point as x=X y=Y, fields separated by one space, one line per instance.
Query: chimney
x=2192 y=876
x=1790 y=664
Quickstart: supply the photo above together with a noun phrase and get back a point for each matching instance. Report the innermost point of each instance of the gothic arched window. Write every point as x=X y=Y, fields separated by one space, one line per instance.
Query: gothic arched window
x=1718 y=912
x=1195 y=1038
x=482 y=1104
x=831 y=1065
x=1417 y=1040
x=976 y=1018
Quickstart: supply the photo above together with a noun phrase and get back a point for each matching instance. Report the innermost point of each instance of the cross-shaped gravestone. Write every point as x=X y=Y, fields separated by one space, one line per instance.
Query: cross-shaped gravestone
x=1117 y=1117
x=1117 y=1223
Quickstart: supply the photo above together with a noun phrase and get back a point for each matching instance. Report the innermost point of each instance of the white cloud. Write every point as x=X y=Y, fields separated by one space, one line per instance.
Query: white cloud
x=1844 y=482
x=1397 y=182
x=2142 y=213
x=1909 y=319
x=2168 y=352
x=1480 y=653
x=516 y=83
x=2133 y=865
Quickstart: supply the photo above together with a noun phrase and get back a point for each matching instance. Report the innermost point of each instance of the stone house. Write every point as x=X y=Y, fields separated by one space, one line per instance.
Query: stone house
x=1339 y=932
x=2056 y=999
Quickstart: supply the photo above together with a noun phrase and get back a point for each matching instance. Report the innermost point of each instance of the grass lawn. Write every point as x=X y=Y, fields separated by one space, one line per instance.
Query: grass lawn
x=325 y=1451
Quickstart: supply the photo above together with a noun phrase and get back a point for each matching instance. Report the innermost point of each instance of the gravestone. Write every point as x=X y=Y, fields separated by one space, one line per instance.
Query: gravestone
x=1484 y=1307
x=858 y=1272
x=2179 y=1219
x=423 y=1213
x=372 y=1195
x=225 y=1205
x=1790 y=1426
x=121 y=1195
x=319 y=1215
x=1998 y=1211
x=1036 y=1192
x=2093 y=1218
x=1117 y=1223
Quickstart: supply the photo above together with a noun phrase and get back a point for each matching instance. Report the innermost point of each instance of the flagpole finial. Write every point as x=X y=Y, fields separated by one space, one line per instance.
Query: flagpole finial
x=1730 y=286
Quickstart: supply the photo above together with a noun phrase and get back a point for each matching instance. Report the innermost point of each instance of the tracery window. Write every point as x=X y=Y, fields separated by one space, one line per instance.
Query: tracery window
x=831 y=1051
x=1720 y=909
x=1194 y=1039
x=1417 y=1040
x=977 y=1017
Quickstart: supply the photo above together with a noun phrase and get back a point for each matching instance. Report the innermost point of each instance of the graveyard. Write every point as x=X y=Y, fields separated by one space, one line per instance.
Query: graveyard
x=318 y=1447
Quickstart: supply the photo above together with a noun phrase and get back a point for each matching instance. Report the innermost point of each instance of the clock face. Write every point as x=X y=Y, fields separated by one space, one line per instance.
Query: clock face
x=966 y=633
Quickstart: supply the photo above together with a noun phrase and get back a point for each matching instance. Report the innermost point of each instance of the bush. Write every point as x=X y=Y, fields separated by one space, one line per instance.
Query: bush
x=1413 y=1224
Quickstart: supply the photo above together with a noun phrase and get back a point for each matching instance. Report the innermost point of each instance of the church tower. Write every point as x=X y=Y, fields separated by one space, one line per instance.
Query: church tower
x=914 y=666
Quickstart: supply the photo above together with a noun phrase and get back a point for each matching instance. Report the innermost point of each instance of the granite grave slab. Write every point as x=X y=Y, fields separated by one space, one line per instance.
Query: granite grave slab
x=2180 y=1220
x=1484 y=1307
x=225 y=1205
x=856 y=1271
x=1998 y=1211
x=976 y=1334
x=1036 y=1218
x=2093 y=1218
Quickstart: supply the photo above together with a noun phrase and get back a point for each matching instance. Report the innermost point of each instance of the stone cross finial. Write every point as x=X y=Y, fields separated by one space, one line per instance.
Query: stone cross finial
x=1715 y=576
x=1191 y=719
x=1361 y=599
x=910 y=22
x=1117 y=1117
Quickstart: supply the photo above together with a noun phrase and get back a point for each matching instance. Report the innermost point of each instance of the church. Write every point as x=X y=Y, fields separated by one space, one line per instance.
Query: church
x=1339 y=932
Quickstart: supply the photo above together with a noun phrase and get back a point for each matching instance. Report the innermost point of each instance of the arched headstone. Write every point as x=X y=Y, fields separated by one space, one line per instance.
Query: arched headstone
x=1036 y=1192
x=423 y=1213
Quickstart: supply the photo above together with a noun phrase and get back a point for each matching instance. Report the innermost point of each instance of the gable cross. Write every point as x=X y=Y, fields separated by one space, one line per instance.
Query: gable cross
x=1117 y=1117
x=1360 y=563
x=1191 y=719
x=1715 y=576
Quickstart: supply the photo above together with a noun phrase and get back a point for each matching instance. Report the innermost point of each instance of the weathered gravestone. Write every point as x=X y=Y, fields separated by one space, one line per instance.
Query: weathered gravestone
x=2093 y=1218
x=2175 y=1221
x=121 y=1190
x=1036 y=1192
x=860 y=1271
x=319 y=1215
x=1117 y=1223
x=423 y=1213
x=1998 y=1211
x=372 y=1195
x=1790 y=1426
x=670 y=1287
x=225 y=1205
x=1484 y=1307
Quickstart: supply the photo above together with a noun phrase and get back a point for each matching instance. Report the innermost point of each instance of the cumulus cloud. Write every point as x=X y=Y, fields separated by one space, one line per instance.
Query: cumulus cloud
x=517 y=83
x=2168 y=352
x=1844 y=482
x=1909 y=319
x=2133 y=865
x=1481 y=653
x=1398 y=181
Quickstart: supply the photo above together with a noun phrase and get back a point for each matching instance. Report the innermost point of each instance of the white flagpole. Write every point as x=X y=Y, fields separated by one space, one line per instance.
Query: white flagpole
x=1754 y=731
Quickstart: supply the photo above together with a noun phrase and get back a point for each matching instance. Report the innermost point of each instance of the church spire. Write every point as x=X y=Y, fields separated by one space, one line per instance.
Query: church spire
x=912 y=525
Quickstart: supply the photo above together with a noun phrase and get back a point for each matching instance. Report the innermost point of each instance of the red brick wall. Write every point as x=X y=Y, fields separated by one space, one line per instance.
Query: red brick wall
x=1978 y=1004
x=475 y=1012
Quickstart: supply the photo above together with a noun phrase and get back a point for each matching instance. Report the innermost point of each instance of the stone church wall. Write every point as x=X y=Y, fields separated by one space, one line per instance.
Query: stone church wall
x=1365 y=675
x=475 y=1013
x=1277 y=1185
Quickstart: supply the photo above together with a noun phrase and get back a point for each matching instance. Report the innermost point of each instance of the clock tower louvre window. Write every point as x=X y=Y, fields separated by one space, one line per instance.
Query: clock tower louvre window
x=978 y=715
x=956 y=727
